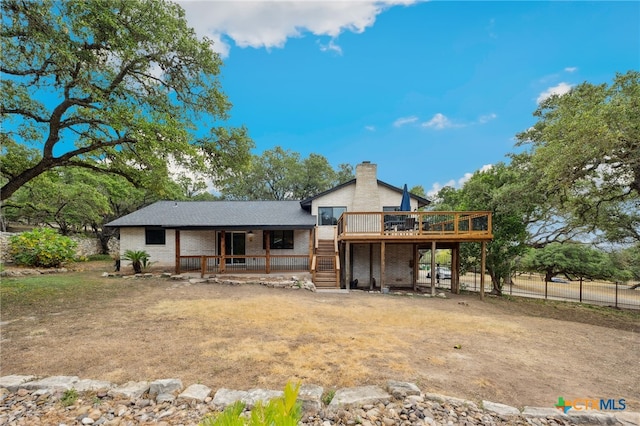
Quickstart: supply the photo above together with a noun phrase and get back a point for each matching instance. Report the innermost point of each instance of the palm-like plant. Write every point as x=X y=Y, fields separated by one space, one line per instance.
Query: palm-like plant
x=138 y=259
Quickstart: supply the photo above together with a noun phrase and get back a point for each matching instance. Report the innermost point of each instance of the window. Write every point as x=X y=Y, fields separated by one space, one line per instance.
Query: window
x=279 y=240
x=154 y=236
x=330 y=215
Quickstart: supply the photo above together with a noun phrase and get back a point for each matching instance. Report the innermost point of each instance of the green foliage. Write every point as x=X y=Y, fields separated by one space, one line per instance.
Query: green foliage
x=280 y=174
x=328 y=396
x=69 y=397
x=134 y=87
x=41 y=247
x=284 y=411
x=139 y=259
x=571 y=259
x=499 y=190
x=586 y=145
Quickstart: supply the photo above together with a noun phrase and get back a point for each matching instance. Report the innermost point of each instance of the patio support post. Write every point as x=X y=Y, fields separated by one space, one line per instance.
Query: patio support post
x=267 y=244
x=455 y=269
x=370 y=266
x=483 y=264
x=177 y=251
x=382 y=265
x=433 y=268
x=223 y=251
x=311 y=248
x=347 y=265
x=416 y=269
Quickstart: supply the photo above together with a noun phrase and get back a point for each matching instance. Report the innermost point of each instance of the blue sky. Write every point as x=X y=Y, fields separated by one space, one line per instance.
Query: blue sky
x=430 y=91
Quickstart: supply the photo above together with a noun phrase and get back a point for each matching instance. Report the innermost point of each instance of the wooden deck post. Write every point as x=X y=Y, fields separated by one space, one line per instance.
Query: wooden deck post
x=223 y=252
x=347 y=266
x=382 y=265
x=177 y=249
x=416 y=269
x=483 y=264
x=455 y=269
x=267 y=245
x=433 y=268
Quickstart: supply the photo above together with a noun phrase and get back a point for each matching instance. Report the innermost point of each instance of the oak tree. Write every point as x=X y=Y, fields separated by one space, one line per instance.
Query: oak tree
x=115 y=86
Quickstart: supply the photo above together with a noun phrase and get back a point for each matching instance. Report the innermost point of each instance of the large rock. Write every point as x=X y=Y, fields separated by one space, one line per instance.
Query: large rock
x=86 y=385
x=133 y=390
x=53 y=383
x=358 y=396
x=501 y=409
x=13 y=383
x=402 y=389
x=161 y=386
x=310 y=396
x=196 y=392
x=224 y=397
x=265 y=395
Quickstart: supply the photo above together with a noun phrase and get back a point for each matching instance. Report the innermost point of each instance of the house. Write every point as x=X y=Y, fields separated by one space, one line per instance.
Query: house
x=354 y=231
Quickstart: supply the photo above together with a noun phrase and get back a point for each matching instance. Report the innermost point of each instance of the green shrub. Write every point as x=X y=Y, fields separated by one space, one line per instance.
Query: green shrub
x=139 y=259
x=42 y=247
x=284 y=411
x=69 y=397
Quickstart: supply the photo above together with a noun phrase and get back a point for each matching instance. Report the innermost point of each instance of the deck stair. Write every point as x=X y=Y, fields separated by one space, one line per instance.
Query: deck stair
x=326 y=268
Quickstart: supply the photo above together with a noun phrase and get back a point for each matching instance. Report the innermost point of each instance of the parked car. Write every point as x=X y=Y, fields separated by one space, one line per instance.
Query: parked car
x=444 y=273
x=558 y=280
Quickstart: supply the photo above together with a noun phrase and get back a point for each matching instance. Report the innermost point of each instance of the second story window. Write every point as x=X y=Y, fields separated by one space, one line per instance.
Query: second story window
x=329 y=215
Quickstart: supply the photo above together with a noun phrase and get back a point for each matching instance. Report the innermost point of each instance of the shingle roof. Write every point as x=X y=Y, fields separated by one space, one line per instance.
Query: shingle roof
x=220 y=214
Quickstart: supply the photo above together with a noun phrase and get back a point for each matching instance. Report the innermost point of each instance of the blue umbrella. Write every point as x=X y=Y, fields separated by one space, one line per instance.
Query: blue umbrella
x=405 y=204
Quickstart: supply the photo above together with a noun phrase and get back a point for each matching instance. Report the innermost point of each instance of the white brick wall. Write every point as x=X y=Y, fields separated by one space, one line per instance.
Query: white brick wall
x=198 y=243
x=398 y=271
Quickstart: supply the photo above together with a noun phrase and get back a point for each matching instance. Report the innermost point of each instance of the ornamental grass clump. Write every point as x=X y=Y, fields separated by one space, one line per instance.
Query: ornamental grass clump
x=42 y=247
x=284 y=411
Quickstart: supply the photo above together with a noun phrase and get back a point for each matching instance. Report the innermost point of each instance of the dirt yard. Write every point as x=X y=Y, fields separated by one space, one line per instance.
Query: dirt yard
x=516 y=352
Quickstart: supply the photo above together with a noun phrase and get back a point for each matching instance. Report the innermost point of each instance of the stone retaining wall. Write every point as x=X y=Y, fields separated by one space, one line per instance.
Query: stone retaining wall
x=31 y=400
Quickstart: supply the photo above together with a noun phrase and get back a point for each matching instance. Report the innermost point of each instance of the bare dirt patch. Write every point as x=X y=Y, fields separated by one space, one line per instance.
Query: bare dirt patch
x=240 y=337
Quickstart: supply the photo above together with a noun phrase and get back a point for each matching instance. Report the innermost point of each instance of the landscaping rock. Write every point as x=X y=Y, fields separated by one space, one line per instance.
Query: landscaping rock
x=158 y=387
x=12 y=383
x=195 y=392
x=501 y=409
x=130 y=390
x=358 y=396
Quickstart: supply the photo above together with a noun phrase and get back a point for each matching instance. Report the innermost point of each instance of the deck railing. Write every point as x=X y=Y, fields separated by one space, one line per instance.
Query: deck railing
x=476 y=224
x=259 y=264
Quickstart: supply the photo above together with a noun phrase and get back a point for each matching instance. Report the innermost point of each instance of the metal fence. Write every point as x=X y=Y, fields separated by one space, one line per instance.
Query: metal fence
x=605 y=293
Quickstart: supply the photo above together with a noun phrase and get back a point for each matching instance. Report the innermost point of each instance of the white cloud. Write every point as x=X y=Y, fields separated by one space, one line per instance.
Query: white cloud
x=331 y=47
x=459 y=183
x=268 y=24
x=483 y=119
x=571 y=69
x=560 y=89
x=439 y=122
x=405 y=120
x=370 y=128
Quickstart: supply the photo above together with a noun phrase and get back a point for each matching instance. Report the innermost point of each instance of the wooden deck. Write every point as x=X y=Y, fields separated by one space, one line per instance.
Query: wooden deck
x=415 y=226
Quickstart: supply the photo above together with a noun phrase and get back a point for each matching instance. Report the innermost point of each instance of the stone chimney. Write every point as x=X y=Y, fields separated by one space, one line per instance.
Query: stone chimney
x=366 y=197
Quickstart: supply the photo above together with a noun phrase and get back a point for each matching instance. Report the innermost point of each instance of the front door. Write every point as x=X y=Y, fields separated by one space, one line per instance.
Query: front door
x=234 y=245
